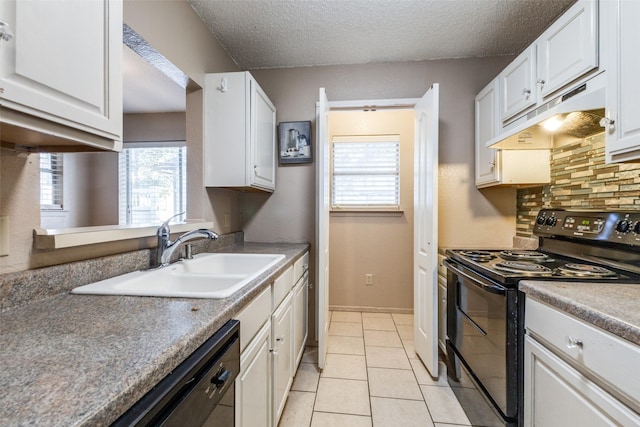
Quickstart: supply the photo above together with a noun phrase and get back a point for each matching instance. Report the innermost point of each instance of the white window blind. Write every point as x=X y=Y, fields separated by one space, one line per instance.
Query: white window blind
x=51 y=181
x=365 y=172
x=153 y=184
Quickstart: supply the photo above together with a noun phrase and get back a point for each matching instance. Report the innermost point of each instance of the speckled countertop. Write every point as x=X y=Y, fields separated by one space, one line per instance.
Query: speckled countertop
x=74 y=360
x=612 y=307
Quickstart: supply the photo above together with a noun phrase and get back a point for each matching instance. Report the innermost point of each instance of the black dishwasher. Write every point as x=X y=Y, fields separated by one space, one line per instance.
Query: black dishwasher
x=199 y=392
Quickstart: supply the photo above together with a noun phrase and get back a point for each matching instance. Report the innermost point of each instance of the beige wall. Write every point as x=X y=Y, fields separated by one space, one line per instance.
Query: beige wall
x=378 y=244
x=466 y=214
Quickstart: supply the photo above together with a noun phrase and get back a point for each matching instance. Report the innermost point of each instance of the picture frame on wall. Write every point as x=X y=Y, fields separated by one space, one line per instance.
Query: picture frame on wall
x=294 y=142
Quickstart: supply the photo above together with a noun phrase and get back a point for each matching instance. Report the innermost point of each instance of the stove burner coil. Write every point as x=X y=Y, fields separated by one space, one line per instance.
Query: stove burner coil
x=585 y=270
x=515 y=255
x=478 y=255
x=523 y=267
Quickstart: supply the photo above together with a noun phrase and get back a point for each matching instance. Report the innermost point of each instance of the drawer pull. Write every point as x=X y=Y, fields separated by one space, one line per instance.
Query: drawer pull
x=574 y=342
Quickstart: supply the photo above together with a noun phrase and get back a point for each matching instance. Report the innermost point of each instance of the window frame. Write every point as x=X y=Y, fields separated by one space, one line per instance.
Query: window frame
x=121 y=195
x=57 y=181
x=367 y=208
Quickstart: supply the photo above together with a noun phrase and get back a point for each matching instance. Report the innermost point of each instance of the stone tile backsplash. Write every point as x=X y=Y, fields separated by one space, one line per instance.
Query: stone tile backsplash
x=580 y=179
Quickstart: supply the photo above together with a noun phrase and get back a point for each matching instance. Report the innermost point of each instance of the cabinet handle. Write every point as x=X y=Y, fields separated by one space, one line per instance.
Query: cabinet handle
x=492 y=165
x=273 y=351
x=606 y=122
x=5 y=31
x=280 y=339
x=540 y=82
x=255 y=169
x=574 y=342
x=526 y=92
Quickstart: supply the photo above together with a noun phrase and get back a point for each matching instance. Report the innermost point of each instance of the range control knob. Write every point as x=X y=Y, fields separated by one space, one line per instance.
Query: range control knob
x=623 y=226
x=551 y=221
x=540 y=220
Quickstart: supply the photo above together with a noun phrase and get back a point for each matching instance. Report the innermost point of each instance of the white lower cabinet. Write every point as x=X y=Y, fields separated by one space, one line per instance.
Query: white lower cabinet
x=300 y=308
x=273 y=333
x=253 y=385
x=282 y=344
x=576 y=374
x=300 y=312
x=558 y=395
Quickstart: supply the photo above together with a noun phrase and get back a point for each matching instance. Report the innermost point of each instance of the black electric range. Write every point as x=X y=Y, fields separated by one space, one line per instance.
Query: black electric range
x=485 y=310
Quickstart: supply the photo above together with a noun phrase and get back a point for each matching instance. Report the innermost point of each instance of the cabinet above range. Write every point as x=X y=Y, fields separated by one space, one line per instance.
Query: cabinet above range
x=495 y=167
x=239 y=133
x=563 y=54
x=61 y=75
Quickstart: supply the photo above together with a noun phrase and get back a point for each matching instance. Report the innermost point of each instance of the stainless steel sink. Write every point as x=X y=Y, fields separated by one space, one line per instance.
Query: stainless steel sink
x=209 y=275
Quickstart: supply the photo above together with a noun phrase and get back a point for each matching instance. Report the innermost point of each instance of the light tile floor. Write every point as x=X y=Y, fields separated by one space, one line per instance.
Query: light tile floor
x=372 y=378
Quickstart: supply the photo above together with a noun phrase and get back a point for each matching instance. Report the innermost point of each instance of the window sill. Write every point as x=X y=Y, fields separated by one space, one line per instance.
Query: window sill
x=72 y=237
x=367 y=212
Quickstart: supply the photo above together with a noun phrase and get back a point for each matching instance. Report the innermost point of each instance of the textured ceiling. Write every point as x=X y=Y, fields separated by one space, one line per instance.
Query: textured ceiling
x=294 y=33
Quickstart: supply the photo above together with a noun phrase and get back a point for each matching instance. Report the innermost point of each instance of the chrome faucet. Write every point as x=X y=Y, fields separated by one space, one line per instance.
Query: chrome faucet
x=166 y=247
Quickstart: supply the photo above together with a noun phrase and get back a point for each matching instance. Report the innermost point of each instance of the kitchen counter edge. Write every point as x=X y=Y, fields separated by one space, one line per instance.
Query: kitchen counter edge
x=611 y=307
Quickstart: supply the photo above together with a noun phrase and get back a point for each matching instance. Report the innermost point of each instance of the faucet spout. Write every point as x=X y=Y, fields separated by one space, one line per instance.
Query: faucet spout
x=166 y=247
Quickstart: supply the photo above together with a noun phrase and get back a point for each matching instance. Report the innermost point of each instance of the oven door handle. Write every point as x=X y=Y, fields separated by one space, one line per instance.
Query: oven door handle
x=494 y=289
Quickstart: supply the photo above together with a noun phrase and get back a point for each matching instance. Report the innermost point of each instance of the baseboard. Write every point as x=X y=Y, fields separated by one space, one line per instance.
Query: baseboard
x=371 y=309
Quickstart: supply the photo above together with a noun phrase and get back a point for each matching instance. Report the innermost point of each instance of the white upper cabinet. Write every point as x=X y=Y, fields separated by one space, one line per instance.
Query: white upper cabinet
x=518 y=84
x=623 y=82
x=486 y=122
x=62 y=69
x=503 y=167
x=564 y=56
x=239 y=133
x=568 y=48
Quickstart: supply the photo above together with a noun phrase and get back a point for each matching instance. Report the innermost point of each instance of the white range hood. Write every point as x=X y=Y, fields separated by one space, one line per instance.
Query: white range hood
x=582 y=108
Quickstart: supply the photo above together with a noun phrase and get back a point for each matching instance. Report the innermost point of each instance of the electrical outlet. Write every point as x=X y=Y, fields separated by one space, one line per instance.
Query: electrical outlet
x=368 y=279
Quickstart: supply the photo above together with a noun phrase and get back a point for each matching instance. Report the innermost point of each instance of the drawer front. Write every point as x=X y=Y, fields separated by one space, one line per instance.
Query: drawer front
x=253 y=316
x=282 y=286
x=300 y=266
x=610 y=360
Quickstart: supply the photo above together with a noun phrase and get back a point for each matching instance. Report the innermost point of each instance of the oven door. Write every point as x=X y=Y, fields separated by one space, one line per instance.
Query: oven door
x=480 y=322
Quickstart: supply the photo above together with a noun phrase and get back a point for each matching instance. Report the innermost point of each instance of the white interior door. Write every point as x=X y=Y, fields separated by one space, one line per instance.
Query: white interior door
x=322 y=226
x=425 y=258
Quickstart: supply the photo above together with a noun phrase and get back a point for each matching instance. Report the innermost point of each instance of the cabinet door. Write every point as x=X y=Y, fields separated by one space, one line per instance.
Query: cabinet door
x=300 y=301
x=262 y=160
x=253 y=384
x=282 y=344
x=558 y=395
x=568 y=48
x=623 y=109
x=487 y=122
x=64 y=63
x=518 y=84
